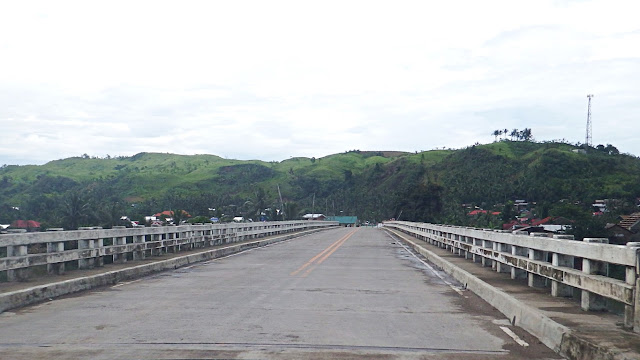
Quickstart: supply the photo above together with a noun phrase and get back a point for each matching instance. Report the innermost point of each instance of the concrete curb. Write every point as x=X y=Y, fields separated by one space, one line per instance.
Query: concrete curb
x=36 y=294
x=554 y=335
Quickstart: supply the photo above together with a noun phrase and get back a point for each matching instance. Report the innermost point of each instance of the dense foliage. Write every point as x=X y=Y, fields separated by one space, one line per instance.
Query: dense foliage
x=429 y=186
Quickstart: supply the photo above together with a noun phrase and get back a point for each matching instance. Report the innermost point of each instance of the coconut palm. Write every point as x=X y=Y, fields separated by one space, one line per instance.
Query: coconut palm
x=75 y=209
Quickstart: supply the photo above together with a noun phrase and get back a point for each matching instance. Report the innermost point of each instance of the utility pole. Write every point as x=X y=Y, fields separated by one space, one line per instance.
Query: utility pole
x=588 y=139
x=281 y=203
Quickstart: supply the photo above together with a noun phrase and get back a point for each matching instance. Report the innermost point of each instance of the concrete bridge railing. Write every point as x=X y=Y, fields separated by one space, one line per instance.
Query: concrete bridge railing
x=59 y=251
x=601 y=274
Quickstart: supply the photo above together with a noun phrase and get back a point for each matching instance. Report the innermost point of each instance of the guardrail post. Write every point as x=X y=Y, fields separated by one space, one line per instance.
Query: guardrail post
x=517 y=273
x=17 y=274
x=99 y=260
x=591 y=301
x=55 y=268
x=86 y=263
x=533 y=279
x=537 y=280
x=467 y=253
x=119 y=257
x=558 y=289
x=157 y=249
x=500 y=267
x=138 y=252
x=486 y=244
x=477 y=258
x=632 y=313
x=455 y=247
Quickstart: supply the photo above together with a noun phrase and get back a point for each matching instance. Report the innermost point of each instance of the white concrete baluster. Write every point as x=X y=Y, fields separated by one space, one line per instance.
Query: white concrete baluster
x=591 y=301
x=632 y=313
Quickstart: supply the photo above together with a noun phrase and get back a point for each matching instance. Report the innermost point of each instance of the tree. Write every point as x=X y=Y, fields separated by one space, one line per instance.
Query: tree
x=611 y=150
x=109 y=215
x=514 y=134
x=508 y=213
x=75 y=210
x=290 y=211
x=178 y=215
x=496 y=133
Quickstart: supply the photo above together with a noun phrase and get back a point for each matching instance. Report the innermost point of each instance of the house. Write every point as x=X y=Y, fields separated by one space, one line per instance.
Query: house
x=521 y=205
x=314 y=217
x=30 y=225
x=626 y=230
x=169 y=214
x=556 y=224
x=599 y=207
x=511 y=225
x=631 y=222
x=530 y=229
x=347 y=221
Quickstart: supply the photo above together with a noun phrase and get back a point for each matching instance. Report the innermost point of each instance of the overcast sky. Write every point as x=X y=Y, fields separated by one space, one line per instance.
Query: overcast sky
x=272 y=79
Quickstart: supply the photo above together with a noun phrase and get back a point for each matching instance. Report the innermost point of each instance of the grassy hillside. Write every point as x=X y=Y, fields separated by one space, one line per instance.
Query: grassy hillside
x=427 y=186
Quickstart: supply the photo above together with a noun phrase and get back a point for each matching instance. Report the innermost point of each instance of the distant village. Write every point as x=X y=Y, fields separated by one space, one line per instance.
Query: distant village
x=169 y=218
x=625 y=229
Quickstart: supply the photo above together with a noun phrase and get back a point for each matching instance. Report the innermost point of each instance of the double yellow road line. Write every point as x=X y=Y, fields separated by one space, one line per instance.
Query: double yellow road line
x=322 y=256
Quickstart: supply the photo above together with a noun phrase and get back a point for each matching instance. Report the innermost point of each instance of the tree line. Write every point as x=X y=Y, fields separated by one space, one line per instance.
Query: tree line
x=515 y=134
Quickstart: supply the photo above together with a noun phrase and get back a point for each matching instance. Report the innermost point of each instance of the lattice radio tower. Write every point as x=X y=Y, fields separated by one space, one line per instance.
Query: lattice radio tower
x=588 y=140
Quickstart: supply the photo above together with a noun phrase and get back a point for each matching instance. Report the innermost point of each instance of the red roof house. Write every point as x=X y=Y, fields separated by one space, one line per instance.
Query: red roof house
x=25 y=224
x=169 y=213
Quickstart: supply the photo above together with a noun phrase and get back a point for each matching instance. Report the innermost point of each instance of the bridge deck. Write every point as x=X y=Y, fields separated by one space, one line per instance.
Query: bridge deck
x=342 y=293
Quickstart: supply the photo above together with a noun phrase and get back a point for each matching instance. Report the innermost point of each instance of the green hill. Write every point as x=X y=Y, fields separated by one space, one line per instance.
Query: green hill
x=427 y=186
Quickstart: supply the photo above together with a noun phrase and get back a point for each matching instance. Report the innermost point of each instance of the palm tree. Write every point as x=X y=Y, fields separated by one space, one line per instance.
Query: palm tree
x=290 y=210
x=74 y=210
x=178 y=215
x=514 y=134
x=110 y=214
x=495 y=133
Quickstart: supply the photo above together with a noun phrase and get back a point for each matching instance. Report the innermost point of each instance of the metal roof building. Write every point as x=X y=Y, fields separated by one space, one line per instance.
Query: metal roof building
x=344 y=220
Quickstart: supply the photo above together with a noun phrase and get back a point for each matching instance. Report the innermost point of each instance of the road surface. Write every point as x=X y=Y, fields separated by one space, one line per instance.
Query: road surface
x=351 y=293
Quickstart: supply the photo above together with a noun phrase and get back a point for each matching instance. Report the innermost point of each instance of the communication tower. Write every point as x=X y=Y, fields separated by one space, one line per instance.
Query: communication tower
x=588 y=139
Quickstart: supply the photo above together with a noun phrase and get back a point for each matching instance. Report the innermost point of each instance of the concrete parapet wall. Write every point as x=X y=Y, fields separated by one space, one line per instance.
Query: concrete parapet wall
x=556 y=336
x=560 y=263
x=20 y=298
x=61 y=250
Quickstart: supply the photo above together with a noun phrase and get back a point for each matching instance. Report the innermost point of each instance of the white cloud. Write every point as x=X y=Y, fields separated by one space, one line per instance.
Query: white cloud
x=270 y=80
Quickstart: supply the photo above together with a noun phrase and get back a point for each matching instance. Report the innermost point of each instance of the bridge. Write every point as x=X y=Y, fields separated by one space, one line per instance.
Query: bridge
x=311 y=289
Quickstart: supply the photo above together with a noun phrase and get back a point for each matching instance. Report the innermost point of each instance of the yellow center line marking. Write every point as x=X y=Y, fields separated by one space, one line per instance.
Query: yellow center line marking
x=314 y=258
x=342 y=241
x=323 y=255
